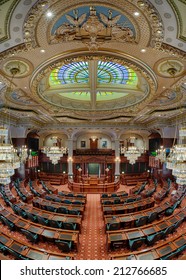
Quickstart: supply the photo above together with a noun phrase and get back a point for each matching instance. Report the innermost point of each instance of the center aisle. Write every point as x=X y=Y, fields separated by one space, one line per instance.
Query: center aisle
x=92 y=238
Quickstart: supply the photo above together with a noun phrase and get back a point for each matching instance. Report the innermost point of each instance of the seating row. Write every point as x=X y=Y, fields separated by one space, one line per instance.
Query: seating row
x=24 y=251
x=164 y=251
x=136 y=219
x=34 y=232
x=149 y=234
x=128 y=207
x=57 y=207
x=64 y=199
x=35 y=189
x=22 y=192
x=46 y=218
x=6 y=193
x=120 y=200
x=114 y=194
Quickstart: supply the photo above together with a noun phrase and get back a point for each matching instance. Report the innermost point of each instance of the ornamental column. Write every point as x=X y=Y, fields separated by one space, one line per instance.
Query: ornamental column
x=70 y=158
x=117 y=159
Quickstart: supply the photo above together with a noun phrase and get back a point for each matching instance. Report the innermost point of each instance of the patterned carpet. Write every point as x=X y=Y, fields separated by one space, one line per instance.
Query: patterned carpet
x=92 y=237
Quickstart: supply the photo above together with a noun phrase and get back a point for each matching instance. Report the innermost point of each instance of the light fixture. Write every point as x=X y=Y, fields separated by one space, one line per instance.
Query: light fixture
x=24 y=154
x=9 y=161
x=161 y=154
x=133 y=152
x=176 y=161
x=55 y=153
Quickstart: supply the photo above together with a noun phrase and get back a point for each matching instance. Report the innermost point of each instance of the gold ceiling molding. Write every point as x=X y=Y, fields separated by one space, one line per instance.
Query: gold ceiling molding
x=6 y=9
x=31 y=23
x=179 y=8
x=155 y=21
x=12 y=51
x=173 y=51
x=37 y=86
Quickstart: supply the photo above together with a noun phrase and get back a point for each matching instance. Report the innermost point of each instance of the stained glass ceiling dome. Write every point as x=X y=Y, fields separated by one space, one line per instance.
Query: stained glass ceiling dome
x=94 y=85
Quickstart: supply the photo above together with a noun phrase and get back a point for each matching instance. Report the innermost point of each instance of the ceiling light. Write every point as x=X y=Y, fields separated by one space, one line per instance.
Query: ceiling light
x=136 y=14
x=49 y=14
x=42 y=51
x=143 y=50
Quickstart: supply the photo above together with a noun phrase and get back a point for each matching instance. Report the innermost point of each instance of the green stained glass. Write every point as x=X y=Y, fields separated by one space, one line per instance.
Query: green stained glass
x=77 y=95
x=72 y=73
x=113 y=73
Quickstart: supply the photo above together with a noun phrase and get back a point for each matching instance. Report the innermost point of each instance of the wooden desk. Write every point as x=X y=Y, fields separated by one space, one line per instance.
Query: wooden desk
x=128 y=207
x=153 y=253
x=73 y=200
x=86 y=187
x=128 y=234
x=122 y=199
x=43 y=231
x=29 y=251
x=42 y=203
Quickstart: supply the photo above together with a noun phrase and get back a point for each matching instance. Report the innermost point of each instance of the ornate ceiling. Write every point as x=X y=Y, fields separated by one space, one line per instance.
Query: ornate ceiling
x=93 y=64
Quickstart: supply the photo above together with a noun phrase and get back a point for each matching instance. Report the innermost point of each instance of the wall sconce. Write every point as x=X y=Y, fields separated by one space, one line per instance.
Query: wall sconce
x=117 y=159
x=79 y=169
x=70 y=159
x=93 y=138
x=107 y=169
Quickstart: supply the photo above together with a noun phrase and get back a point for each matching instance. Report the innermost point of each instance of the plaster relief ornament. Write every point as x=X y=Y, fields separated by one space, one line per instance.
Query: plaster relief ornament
x=93 y=29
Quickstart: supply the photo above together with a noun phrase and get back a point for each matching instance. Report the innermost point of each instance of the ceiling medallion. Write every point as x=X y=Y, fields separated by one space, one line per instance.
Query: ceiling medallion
x=93 y=29
x=17 y=67
x=169 y=68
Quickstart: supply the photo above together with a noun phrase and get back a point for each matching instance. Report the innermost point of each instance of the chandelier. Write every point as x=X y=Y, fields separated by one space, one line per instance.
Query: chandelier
x=9 y=160
x=177 y=159
x=55 y=153
x=161 y=154
x=24 y=153
x=132 y=153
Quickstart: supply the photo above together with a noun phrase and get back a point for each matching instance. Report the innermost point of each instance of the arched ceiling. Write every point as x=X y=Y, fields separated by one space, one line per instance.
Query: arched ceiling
x=93 y=64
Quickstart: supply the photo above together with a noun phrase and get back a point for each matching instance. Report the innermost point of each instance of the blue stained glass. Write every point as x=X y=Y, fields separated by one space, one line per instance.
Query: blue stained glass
x=109 y=72
x=76 y=72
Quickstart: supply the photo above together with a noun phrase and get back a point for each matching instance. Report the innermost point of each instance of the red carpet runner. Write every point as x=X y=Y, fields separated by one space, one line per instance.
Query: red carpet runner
x=92 y=238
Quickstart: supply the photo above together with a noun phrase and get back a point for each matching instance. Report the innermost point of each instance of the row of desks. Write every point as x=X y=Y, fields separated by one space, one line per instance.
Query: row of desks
x=43 y=203
x=129 y=207
x=45 y=232
x=72 y=200
x=128 y=220
x=121 y=199
x=28 y=251
x=128 y=234
x=51 y=216
x=156 y=252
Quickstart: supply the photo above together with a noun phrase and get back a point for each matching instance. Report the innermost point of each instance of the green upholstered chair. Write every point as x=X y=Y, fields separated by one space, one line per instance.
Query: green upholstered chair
x=55 y=224
x=152 y=217
x=141 y=221
x=62 y=210
x=64 y=246
x=32 y=237
x=113 y=226
x=153 y=238
x=42 y=221
x=69 y=226
x=10 y=224
x=134 y=244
